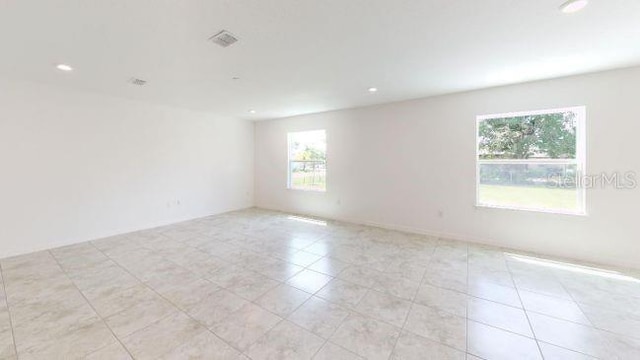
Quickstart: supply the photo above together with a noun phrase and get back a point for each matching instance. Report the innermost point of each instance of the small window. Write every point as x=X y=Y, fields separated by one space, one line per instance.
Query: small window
x=308 y=160
x=532 y=160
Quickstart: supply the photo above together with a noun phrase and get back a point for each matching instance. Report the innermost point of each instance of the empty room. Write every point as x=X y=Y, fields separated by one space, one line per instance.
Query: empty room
x=325 y=180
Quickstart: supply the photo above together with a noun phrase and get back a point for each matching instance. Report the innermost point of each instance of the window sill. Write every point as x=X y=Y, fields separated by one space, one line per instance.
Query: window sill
x=541 y=211
x=308 y=190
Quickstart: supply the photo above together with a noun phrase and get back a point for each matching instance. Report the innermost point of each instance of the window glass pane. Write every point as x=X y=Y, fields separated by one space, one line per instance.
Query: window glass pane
x=308 y=175
x=307 y=160
x=538 y=136
x=548 y=187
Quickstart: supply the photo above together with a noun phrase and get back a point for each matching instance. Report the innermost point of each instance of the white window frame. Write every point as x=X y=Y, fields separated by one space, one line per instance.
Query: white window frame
x=289 y=161
x=579 y=161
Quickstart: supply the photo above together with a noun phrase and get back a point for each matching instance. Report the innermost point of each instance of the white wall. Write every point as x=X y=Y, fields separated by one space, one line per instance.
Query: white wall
x=397 y=165
x=78 y=166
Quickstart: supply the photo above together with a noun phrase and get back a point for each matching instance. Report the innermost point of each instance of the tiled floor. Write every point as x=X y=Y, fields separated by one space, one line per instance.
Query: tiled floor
x=263 y=285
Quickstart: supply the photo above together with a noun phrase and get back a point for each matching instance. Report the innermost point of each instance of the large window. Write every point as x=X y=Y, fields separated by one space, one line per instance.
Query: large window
x=532 y=160
x=308 y=160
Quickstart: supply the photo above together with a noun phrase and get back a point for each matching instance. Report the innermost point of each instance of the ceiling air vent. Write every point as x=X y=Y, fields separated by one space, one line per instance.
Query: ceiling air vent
x=224 y=38
x=138 y=82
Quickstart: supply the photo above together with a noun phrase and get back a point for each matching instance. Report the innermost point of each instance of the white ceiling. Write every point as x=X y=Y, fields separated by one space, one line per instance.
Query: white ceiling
x=304 y=56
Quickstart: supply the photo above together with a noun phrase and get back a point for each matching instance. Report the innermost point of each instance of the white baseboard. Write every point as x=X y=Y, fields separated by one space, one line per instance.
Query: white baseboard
x=152 y=225
x=610 y=264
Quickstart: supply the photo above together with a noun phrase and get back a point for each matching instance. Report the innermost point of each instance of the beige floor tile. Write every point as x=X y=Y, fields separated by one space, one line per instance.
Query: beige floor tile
x=553 y=306
x=245 y=283
x=204 y=346
x=139 y=316
x=448 y=279
x=385 y=308
x=505 y=295
x=216 y=307
x=366 y=337
x=500 y=316
x=170 y=278
x=51 y=322
x=396 y=286
x=414 y=347
x=114 y=351
x=569 y=335
x=104 y=279
x=334 y=352
x=442 y=299
x=283 y=299
x=81 y=262
x=320 y=247
x=278 y=270
x=201 y=263
x=620 y=322
x=32 y=309
x=27 y=262
x=235 y=273
x=286 y=341
x=75 y=344
x=309 y=281
x=552 y=352
x=541 y=283
x=360 y=275
x=328 y=266
x=245 y=326
x=605 y=297
x=5 y=319
x=500 y=277
x=302 y=240
x=187 y=295
x=437 y=325
x=408 y=270
x=7 y=347
x=115 y=301
x=28 y=290
x=302 y=258
x=583 y=339
x=343 y=293
x=319 y=316
x=162 y=336
x=491 y=343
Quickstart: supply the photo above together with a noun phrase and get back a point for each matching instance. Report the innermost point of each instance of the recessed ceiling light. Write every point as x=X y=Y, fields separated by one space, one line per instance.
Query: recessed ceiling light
x=64 y=67
x=372 y=89
x=252 y=111
x=572 y=6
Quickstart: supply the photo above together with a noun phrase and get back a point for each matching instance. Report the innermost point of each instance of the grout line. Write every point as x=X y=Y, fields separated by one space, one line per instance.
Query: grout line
x=323 y=237
x=585 y=315
x=333 y=333
x=6 y=300
x=170 y=302
x=210 y=255
x=326 y=340
x=560 y=319
x=406 y=319
x=285 y=282
x=90 y=305
x=591 y=324
x=466 y=314
x=523 y=308
x=571 y=350
x=250 y=301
